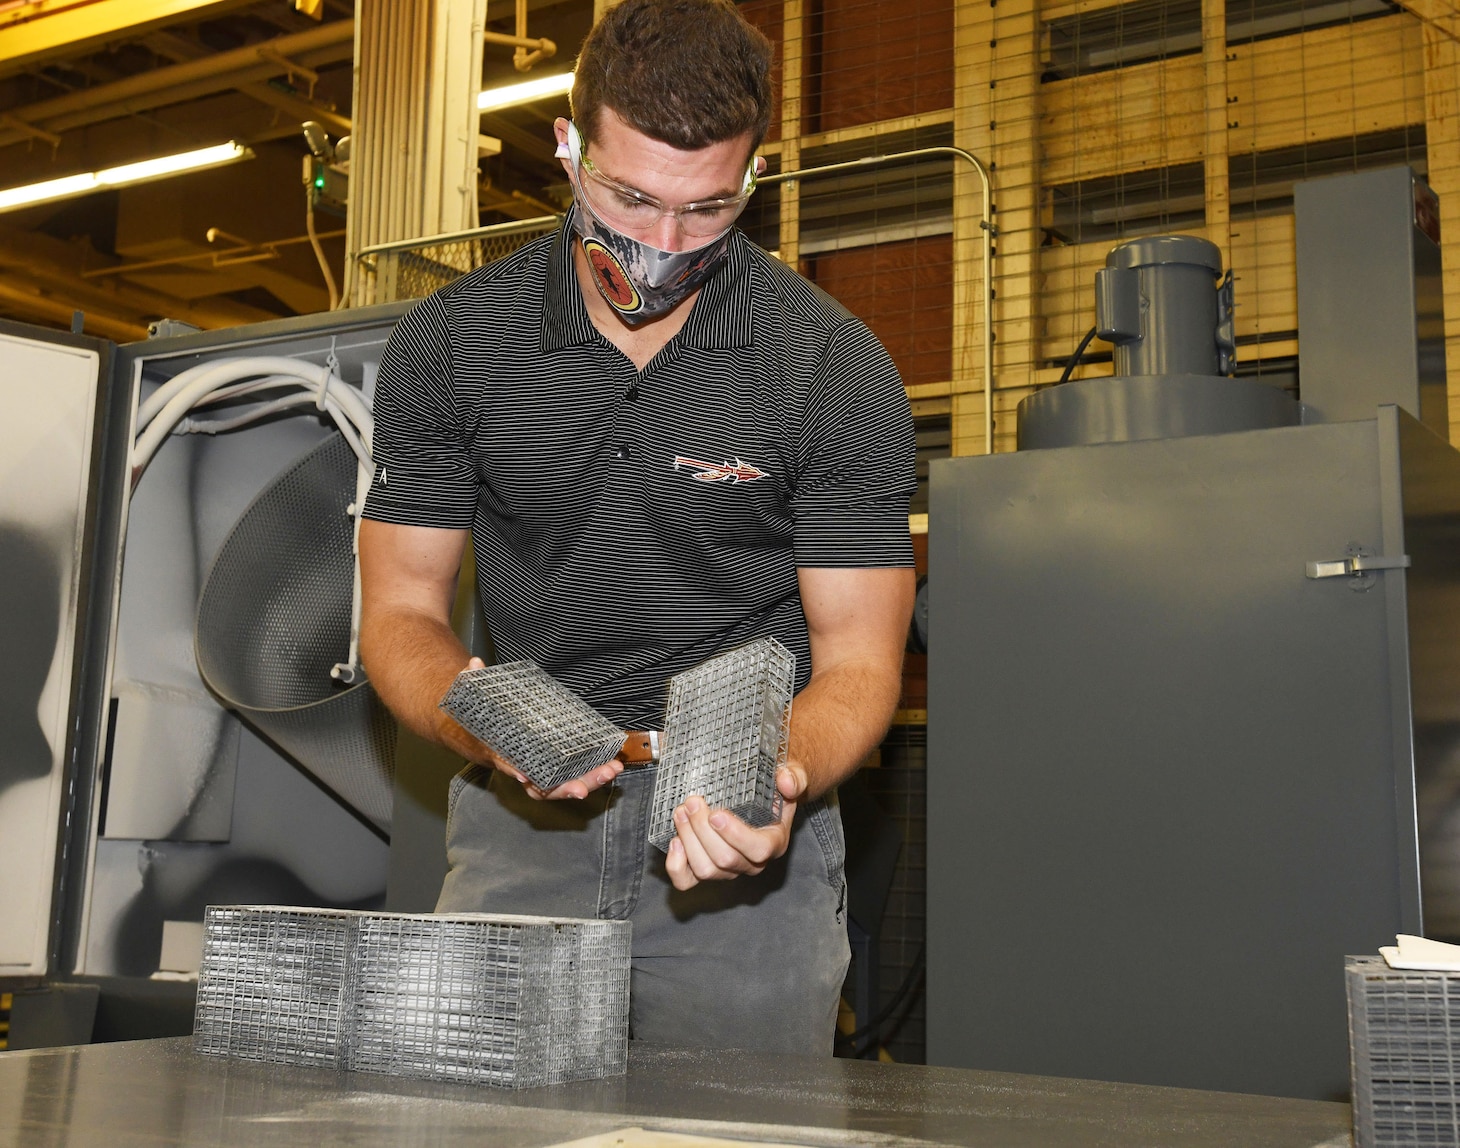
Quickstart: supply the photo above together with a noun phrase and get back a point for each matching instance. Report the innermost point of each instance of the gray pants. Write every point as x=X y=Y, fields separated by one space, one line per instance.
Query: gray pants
x=757 y=962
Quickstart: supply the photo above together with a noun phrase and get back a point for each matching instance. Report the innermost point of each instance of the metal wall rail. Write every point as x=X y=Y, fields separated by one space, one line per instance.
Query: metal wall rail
x=384 y=259
x=986 y=226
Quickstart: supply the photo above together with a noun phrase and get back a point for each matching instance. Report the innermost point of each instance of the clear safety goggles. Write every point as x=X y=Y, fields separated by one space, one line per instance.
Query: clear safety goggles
x=629 y=209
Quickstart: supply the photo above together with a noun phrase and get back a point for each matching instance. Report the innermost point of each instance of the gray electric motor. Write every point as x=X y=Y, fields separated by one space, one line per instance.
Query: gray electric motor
x=1163 y=303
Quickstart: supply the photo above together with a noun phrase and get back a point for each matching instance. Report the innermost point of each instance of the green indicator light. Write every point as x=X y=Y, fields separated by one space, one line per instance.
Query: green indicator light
x=319 y=181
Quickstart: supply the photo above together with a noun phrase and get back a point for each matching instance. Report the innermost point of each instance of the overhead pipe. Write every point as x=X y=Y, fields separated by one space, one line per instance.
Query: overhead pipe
x=529 y=51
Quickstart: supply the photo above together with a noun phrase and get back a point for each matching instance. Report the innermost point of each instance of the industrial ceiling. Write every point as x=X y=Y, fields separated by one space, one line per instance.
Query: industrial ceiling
x=85 y=86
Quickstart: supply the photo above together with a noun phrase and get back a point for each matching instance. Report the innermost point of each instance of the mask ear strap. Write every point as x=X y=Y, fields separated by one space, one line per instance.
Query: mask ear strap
x=573 y=149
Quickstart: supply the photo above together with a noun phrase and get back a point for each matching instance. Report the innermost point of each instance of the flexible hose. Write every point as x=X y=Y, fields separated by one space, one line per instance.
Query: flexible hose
x=163 y=410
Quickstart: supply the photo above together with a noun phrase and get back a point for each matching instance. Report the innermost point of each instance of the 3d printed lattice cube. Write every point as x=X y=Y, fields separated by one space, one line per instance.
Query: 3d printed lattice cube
x=533 y=721
x=276 y=985
x=479 y=998
x=725 y=734
x=1404 y=1053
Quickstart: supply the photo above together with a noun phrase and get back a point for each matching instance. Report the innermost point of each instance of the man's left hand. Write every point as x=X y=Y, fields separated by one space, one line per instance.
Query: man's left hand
x=715 y=845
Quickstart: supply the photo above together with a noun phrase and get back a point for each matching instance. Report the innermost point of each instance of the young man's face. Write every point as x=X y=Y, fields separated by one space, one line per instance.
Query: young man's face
x=667 y=173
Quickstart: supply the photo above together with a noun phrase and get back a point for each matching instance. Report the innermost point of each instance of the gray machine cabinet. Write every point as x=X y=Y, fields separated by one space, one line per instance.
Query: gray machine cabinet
x=1171 y=778
x=141 y=800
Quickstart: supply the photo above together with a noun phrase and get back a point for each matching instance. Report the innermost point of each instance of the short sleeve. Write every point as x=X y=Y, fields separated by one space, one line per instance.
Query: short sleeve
x=423 y=470
x=857 y=467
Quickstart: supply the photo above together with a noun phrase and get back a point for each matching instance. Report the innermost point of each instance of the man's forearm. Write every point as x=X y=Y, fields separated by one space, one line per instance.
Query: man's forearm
x=412 y=660
x=840 y=718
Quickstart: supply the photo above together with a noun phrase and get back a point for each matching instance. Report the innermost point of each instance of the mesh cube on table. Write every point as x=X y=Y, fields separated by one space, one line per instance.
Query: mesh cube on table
x=725 y=735
x=276 y=984
x=510 y=1001
x=1404 y=1053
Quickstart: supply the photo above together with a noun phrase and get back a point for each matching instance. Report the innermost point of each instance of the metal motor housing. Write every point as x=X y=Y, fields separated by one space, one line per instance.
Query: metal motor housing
x=1164 y=304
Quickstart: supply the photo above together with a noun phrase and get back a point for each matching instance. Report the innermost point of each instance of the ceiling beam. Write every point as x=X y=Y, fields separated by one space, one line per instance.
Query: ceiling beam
x=68 y=28
x=299 y=108
x=55 y=267
x=29 y=300
x=314 y=48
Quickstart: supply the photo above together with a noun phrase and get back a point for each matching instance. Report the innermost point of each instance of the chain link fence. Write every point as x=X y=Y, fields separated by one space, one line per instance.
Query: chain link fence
x=412 y=269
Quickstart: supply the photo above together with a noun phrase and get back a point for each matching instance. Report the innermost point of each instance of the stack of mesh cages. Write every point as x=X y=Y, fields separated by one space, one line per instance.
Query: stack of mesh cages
x=527 y=717
x=1404 y=1047
x=477 y=998
x=725 y=734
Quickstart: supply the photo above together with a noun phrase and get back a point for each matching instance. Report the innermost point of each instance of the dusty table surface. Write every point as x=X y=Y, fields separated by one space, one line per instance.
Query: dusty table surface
x=159 y=1093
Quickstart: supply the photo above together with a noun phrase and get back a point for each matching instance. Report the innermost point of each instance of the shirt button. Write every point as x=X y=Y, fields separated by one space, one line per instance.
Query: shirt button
x=622 y=453
x=633 y=393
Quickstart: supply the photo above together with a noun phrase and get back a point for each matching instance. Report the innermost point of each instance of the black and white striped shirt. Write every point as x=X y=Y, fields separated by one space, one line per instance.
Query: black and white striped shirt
x=628 y=526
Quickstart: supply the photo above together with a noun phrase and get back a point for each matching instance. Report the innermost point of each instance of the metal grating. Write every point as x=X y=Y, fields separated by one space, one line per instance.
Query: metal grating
x=536 y=723
x=493 y=999
x=1404 y=1049
x=725 y=734
x=413 y=271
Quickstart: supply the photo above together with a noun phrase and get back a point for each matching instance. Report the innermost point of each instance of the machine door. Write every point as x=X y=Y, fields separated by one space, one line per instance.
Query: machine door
x=49 y=393
x=1166 y=794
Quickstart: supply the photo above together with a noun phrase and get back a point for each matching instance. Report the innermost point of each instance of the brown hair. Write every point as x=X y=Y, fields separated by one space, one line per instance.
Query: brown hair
x=689 y=73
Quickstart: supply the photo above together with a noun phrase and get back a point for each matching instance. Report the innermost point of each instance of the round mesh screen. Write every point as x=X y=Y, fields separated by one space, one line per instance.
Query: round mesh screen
x=274 y=617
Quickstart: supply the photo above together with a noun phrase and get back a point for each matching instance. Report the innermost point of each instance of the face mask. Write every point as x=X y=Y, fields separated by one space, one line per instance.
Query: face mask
x=639 y=281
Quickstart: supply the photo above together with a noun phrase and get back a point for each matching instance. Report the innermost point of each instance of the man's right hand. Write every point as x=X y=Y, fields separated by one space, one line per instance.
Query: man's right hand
x=474 y=750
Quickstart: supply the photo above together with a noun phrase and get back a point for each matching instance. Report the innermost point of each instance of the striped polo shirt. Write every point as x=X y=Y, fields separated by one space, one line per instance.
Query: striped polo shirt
x=628 y=525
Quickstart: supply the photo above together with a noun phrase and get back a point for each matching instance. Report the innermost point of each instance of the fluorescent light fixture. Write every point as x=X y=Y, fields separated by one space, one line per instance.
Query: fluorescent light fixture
x=525 y=92
x=127 y=173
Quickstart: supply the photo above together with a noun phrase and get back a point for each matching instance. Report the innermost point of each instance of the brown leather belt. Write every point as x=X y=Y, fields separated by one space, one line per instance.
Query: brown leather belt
x=641 y=747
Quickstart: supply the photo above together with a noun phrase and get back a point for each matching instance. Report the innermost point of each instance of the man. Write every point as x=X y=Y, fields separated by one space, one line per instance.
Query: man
x=665 y=444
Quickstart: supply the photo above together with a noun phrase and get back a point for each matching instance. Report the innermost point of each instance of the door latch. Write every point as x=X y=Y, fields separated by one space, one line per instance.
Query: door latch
x=1358 y=564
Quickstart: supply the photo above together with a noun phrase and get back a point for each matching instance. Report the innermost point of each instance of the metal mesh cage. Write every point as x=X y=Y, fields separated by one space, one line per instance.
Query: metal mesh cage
x=725 y=734
x=543 y=728
x=454 y=999
x=1404 y=1053
x=274 y=618
x=419 y=271
x=492 y=999
x=275 y=984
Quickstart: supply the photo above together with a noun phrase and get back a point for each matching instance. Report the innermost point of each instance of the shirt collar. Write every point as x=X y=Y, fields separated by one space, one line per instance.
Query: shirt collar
x=720 y=317
x=565 y=321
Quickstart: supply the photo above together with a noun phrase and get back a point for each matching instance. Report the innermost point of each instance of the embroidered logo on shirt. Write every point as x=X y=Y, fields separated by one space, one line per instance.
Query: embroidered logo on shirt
x=382 y=476
x=727 y=471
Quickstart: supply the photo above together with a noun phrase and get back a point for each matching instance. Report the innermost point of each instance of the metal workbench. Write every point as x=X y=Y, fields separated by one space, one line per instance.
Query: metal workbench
x=159 y=1093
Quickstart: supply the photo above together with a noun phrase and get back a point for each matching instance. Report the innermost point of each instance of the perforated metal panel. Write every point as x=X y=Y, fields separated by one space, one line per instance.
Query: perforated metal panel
x=274 y=618
x=533 y=721
x=725 y=734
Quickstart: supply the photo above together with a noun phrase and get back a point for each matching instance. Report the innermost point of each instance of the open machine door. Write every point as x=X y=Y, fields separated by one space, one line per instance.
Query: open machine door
x=51 y=393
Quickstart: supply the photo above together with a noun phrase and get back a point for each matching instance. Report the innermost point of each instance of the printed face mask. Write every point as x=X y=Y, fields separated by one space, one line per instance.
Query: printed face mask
x=639 y=281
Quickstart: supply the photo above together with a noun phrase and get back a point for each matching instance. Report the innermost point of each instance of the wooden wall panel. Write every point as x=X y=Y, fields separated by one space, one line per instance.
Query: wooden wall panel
x=1264 y=260
x=1442 y=139
x=1145 y=116
x=869 y=60
x=1334 y=82
x=1067 y=297
x=904 y=292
